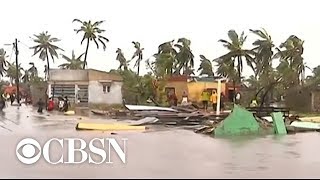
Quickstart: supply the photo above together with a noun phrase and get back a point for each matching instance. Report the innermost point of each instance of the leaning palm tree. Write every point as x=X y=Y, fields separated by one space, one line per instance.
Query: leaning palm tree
x=26 y=76
x=205 y=66
x=91 y=32
x=122 y=60
x=291 y=55
x=184 y=56
x=264 y=53
x=12 y=71
x=3 y=62
x=165 y=60
x=45 y=47
x=33 y=71
x=73 y=62
x=138 y=53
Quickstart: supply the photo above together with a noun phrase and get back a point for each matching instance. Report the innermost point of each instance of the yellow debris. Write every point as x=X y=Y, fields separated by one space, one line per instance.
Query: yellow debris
x=69 y=113
x=108 y=127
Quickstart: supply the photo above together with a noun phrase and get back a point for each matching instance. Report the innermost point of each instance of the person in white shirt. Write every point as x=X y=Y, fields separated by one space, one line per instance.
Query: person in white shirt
x=238 y=97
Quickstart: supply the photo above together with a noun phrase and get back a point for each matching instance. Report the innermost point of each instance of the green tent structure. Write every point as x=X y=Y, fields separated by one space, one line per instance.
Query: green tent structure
x=239 y=122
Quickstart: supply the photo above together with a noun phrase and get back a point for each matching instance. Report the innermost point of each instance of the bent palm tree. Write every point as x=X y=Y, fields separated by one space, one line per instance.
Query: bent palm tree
x=26 y=77
x=91 y=32
x=165 y=61
x=122 y=60
x=291 y=56
x=73 y=62
x=3 y=62
x=205 y=66
x=33 y=71
x=184 y=56
x=12 y=71
x=263 y=49
x=45 y=47
x=138 y=53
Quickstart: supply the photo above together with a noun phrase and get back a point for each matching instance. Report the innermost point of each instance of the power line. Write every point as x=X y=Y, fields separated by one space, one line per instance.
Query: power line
x=11 y=53
x=24 y=44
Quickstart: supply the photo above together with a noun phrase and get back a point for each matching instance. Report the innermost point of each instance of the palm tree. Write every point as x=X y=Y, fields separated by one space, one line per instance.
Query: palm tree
x=73 y=62
x=3 y=62
x=237 y=52
x=291 y=57
x=138 y=53
x=33 y=70
x=122 y=60
x=264 y=53
x=26 y=77
x=165 y=60
x=91 y=32
x=12 y=71
x=45 y=47
x=226 y=68
x=184 y=56
x=205 y=66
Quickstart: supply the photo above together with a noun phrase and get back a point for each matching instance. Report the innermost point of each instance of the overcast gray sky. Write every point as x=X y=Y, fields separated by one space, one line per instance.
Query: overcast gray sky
x=152 y=22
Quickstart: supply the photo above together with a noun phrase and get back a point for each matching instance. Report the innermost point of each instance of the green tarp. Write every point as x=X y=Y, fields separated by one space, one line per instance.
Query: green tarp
x=240 y=121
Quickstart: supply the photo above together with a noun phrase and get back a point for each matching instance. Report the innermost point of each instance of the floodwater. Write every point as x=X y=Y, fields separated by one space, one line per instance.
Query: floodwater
x=159 y=154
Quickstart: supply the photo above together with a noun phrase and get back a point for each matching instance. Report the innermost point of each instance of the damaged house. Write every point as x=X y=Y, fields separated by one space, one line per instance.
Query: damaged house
x=85 y=87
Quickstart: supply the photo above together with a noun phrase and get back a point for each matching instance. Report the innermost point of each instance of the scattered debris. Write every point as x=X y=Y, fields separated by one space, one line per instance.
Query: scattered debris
x=146 y=108
x=144 y=121
x=99 y=112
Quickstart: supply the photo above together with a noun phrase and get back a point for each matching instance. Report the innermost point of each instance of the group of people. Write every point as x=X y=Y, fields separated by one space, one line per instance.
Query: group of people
x=7 y=97
x=212 y=97
x=207 y=97
x=63 y=104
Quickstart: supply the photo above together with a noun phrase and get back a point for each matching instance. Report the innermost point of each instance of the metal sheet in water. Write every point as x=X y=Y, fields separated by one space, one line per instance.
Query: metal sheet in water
x=308 y=125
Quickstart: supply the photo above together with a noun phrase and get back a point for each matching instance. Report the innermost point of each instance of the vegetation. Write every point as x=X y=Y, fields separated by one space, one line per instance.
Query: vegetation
x=45 y=47
x=73 y=62
x=175 y=57
x=91 y=32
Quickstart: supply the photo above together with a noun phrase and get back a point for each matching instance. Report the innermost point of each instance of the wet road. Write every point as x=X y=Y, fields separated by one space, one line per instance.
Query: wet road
x=161 y=154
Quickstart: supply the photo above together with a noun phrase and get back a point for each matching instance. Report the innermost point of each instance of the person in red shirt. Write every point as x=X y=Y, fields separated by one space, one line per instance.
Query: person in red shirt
x=50 y=104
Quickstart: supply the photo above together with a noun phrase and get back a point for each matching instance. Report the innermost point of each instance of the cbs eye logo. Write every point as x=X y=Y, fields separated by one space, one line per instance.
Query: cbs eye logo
x=28 y=153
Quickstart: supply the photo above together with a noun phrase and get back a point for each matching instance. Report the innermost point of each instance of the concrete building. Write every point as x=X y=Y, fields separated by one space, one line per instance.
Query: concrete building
x=194 y=86
x=85 y=87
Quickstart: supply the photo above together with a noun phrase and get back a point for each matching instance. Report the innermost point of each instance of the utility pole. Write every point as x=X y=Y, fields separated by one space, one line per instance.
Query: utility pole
x=17 y=71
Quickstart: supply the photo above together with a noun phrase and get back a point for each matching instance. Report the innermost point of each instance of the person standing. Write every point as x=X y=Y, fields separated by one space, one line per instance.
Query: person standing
x=205 y=97
x=184 y=98
x=214 y=100
x=172 y=98
x=40 y=104
x=2 y=103
x=66 y=104
x=238 y=97
x=50 y=104
x=222 y=99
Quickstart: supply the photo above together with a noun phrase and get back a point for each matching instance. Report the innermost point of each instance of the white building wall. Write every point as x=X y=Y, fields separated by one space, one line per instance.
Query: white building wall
x=97 y=96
